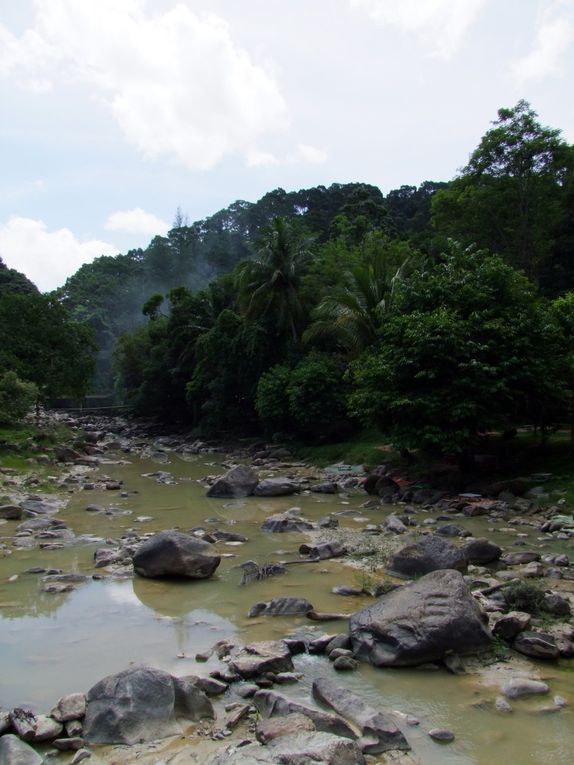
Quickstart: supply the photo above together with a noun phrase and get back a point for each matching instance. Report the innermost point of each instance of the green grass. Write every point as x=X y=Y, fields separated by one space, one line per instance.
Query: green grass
x=365 y=448
x=17 y=442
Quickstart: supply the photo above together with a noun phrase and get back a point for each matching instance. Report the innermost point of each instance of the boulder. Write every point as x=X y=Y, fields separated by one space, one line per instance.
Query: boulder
x=276 y=487
x=509 y=625
x=325 y=487
x=379 y=731
x=537 y=645
x=430 y=553
x=11 y=512
x=240 y=481
x=518 y=687
x=556 y=604
x=481 y=551
x=269 y=729
x=394 y=524
x=140 y=704
x=301 y=748
x=288 y=606
x=452 y=530
x=257 y=658
x=13 y=751
x=323 y=551
x=271 y=704
x=171 y=553
x=70 y=707
x=285 y=522
x=47 y=729
x=420 y=622
x=518 y=558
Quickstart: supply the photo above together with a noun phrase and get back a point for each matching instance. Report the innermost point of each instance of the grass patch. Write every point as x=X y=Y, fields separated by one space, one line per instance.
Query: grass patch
x=368 y=447
x=18 y=442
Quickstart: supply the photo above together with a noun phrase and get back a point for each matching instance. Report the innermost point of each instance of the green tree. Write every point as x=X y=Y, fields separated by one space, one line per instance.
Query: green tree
x=17 y=397
x=509 y=197
x=269 y=284
x=469 y=348
x=43 y=345
x=352 y=315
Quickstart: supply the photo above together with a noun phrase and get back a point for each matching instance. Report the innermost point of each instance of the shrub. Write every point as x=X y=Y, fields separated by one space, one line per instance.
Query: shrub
x=16 y=398
x=522 y=596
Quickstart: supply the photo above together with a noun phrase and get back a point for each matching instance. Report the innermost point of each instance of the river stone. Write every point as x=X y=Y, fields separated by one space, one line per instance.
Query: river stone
x=518 y=558
x=171 y=553
x=276 y=487
x=441 y=734
x=191 y=699
x=323 y=551
x=537 y=645
x=430 y=553
x=452 y=530
x=70 y=707
x=269 y=729
x=509 y=625
x=11 y=512
x=325 y=487
x=46 y=729
x=285 y=522
x=481 y=551
x=5 y=723
x=379 y=731
x=519 y=686
x=419 y=623
x=139 y=704
x=240 y=481
x=23 y=722
x=394 y=524
x=304 y=748
x=257 y=658
x=13 y=751
x=556 y=604
x=288 y=606
x=271 y=704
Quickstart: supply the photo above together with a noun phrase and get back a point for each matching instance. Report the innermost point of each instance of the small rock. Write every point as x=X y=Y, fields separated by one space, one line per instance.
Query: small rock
x=518 y=687
x=441 y=734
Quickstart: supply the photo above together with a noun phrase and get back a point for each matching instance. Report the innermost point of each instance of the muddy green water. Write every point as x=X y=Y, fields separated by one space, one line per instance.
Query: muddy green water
x=55 y=644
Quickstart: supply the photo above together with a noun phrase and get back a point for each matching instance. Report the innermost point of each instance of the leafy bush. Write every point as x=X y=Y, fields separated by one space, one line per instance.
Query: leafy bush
x=16 y=398
x=522 y=596
x=308 y=399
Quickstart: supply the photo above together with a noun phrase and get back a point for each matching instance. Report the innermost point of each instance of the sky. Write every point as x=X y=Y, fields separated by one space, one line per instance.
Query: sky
x=116 y=113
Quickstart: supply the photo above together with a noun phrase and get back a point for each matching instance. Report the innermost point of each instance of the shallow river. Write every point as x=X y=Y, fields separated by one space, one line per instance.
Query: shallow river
x=55 y=644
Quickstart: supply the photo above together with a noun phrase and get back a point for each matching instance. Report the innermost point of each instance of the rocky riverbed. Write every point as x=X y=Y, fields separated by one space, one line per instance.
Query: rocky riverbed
x=298 y=594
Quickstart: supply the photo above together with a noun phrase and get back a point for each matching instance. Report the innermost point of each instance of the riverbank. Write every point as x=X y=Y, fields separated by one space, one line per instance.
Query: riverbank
x=110 y=480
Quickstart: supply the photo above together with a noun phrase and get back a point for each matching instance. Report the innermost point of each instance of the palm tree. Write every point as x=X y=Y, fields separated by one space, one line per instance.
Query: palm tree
x=352 y=315
x=268 y=284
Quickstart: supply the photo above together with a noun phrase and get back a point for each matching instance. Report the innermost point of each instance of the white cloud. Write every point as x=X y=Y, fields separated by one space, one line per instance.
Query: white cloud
x=256 y=158
x=310 y=154
x=46 y=257
x=137 y=221
x=440 y=25
x=554 y=35
x=177 y=83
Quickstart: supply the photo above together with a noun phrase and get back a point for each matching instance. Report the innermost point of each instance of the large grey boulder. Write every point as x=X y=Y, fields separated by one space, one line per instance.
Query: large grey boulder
x=430 y=553
x=13 y=751
x=276 y=487
x=171 y=553
x=379 y=731
x=272 y=704
x=257 y=658
x=240 y=481
x=481 y=551
x=141 y=704
x=420 y=622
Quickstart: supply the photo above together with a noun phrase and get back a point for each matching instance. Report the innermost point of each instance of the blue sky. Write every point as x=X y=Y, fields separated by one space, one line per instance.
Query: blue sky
x=116 y=112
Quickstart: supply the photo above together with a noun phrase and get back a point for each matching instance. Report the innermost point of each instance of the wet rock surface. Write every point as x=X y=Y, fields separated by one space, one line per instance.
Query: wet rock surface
x=173 y=554
x=420 y=622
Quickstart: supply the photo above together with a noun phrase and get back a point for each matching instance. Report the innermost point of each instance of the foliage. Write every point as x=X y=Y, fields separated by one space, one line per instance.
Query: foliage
x=522 y=596
x=40 y=342
x=16 y=398
x=469 y=348
x=353 y=313
x=308 y=399
x=510 y=197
